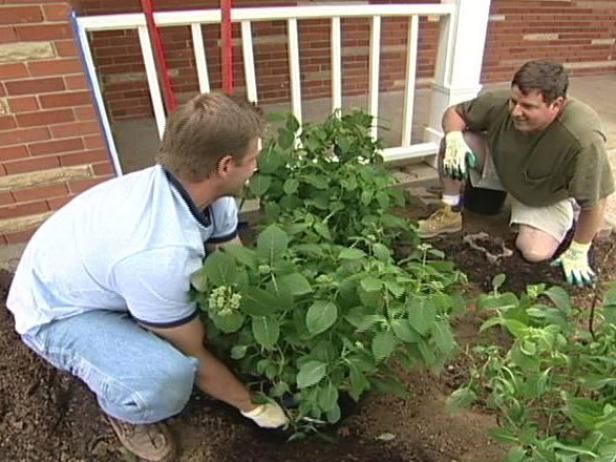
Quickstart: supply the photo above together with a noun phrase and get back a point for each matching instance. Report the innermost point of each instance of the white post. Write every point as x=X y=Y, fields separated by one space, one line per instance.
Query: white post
x=460 y=57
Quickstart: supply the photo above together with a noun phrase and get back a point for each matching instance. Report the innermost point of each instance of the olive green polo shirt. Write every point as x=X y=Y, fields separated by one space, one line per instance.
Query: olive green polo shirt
x=566 y=159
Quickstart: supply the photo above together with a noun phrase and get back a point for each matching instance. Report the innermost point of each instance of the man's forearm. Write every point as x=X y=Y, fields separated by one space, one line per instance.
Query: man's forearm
x=589 y=222
x=452 y=121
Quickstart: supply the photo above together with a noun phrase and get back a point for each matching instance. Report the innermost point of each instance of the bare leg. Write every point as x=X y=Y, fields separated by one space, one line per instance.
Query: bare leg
x=536 y=245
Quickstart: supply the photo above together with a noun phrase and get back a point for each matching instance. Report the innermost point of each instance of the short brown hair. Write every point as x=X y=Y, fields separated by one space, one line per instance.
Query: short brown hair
x=549 y=78
x=205 y=129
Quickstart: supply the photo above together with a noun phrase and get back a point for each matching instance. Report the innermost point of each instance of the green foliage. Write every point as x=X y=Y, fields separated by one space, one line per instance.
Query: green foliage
x=554 y=388
x=332 y=186
x=319 y=319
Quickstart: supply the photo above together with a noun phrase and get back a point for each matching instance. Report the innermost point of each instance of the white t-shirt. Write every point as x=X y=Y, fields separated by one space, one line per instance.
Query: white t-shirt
x=129 y=244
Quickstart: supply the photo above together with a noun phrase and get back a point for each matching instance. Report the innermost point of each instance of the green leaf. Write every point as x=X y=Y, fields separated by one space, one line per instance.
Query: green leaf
x=395 y=289
x=381 y=252
x=290 y=186
x=334 y=414
x=241 y=254
x=328 y=397
x=229 y=323
x=358 y=382
x=259 y=184
x=199 y=280
x=351 y=254
x=503 y=435
x=371 y=284
x=585 y=413
x=321 y=316
x=259 y=302
x=220 y=269
x=383 y=345
x=460 y=399
x=271 y=243
x=404 y=331
x=238 y=351
x=310 y=373
x=517 y=454
x=295 y=284
x=498 y=281
x=443 y=337
x=318 y=181
x=422 y=313
x=560 y=297
x=323 y=230
x=266 y=331
x=286 y=138
x=292 y=123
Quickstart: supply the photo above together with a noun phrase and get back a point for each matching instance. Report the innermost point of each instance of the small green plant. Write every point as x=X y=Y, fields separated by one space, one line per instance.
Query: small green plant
x=332 y=185
x=313 y=320
x=554 y=387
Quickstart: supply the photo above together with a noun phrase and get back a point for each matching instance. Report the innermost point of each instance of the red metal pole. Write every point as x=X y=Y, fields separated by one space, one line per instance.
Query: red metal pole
x=168 y=95
x=227 y=46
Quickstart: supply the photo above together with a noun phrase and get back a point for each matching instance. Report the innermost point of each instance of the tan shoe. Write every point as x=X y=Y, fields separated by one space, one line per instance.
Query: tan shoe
x=151 y=442
x=444 y=220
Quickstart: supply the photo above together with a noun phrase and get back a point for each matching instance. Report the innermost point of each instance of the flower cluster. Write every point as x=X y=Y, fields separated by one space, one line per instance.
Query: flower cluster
x=223 y=301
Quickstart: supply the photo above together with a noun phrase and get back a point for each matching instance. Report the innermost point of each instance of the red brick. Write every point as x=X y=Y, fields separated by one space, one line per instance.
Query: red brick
x=55 y=67
x=45 y=192
x=57 y=12
x=25 y=135
x=19 y=237
x=74 y=129
x=21 y=210
x=23 y=104
x=86 y=157
x=81 y=185
x=7 y=34
x=75 y=82
x=58 y=202
x=66 y=48
x=32 y=119
x=7 y=122
x=6 y=198
x=85 y=113
x=104 y=168
x=56 y=146
x=21 y=14
x=44 y=32
x=35 y=86
x=31 y=165
x=13 y=152
x=13 y=71
x=94 y=141
x=67 y=99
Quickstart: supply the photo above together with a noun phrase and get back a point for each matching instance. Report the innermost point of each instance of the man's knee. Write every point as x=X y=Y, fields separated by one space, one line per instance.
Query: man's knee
x=535 y=250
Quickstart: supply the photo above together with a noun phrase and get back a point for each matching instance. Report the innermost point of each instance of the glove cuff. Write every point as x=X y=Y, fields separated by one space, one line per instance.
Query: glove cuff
x=455 y=135
x=255 y=412
x=579 y=247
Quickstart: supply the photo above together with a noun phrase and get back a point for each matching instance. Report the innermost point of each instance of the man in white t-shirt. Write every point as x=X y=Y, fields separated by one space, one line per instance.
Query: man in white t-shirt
x=102 y=287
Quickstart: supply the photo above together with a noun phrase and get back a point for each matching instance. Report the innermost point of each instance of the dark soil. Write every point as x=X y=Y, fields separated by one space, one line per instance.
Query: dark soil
x=49 y=416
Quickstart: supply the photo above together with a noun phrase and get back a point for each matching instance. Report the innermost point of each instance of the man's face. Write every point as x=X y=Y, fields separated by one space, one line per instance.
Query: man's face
x=529 y=112
x=242 y=170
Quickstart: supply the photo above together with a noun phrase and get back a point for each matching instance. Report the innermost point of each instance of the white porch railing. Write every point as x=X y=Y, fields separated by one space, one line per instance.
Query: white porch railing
x=450 y=13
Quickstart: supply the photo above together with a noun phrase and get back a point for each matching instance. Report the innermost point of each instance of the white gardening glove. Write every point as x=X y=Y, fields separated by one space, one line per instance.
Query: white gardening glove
x=458 y=156
x=574 y=262
x=269 y=415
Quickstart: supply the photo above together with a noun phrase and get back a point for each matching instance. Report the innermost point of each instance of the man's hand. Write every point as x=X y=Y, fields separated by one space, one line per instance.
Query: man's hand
x=574 y=262
x=458 y=156
x=269 y=415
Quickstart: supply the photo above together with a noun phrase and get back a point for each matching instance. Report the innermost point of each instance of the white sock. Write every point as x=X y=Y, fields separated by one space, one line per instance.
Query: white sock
x=451 y=199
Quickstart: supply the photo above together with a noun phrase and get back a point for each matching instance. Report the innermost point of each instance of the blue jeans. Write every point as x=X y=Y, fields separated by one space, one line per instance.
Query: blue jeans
x=137 y=376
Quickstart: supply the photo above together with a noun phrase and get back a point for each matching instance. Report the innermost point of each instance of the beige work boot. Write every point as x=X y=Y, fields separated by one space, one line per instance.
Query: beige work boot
x=151 y=442
x=444 y=220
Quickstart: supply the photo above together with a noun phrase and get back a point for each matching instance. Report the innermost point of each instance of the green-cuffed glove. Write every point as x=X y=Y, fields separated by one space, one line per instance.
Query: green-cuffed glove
x=574 y=262
x=268 y=415
x=458 y=156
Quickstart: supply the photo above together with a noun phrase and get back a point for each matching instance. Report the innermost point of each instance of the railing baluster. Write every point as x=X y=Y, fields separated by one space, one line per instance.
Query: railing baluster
x=249 y=62
x=150 y=72
x=411 y=70
x=200 y=60
x=294 y=69
x=336 y=53
x=375 y=55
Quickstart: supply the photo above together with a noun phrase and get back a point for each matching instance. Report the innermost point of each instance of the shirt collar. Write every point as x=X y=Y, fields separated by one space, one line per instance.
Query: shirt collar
x=203 y=217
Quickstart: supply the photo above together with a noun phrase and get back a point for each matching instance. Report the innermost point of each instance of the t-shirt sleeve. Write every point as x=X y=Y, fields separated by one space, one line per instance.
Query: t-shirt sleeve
x=592 y=178
x=225 y=218
x=155 y=285
x=479 y=112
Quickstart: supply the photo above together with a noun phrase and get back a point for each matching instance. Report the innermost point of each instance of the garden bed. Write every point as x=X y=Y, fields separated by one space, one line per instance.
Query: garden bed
x=49 y=416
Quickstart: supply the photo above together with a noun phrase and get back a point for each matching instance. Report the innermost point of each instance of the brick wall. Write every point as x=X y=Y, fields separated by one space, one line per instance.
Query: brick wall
x=51 y=146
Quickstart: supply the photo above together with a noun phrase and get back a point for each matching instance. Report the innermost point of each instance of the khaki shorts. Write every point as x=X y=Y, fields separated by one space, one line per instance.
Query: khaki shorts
x=555 y=219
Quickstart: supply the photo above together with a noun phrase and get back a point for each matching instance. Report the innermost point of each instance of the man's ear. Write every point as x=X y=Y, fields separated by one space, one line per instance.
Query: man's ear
x=224 y=165
x=558 y=103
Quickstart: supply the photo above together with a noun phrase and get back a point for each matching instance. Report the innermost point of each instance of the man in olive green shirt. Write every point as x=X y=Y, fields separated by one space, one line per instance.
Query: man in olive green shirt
x=545 y=150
